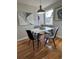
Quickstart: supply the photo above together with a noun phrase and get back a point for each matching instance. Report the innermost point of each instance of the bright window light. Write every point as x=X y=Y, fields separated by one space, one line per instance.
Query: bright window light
x=49 y=13
x=49 y=17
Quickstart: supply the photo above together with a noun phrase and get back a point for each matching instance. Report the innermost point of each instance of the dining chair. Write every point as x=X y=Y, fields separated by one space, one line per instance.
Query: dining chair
x=51 y=35
x=33 y=36
x=30 y=35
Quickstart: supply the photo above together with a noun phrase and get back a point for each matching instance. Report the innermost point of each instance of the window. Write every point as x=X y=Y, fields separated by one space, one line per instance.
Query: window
x=39 y=19
x=49 y=17
x=44 y=19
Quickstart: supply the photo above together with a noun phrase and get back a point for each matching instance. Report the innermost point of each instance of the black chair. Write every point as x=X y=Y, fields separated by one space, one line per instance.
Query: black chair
x=52 y=35
x=31 y=37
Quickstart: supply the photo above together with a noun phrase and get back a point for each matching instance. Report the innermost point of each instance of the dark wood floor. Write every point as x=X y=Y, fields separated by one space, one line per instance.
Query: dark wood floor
x=25 y=51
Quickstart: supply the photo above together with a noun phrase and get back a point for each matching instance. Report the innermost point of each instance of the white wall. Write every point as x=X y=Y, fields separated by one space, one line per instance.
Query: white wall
x=26 y=8
x=21 y=33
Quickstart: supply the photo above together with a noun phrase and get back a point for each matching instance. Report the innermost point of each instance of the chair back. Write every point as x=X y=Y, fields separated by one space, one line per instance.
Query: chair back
x=55 y=31
x=51 y=32
x=30 y=35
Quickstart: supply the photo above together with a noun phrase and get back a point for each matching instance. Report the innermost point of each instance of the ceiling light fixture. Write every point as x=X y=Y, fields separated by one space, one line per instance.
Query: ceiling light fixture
x=40 y=11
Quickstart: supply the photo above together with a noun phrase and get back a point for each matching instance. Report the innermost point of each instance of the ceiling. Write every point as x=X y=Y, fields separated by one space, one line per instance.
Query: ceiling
x=36 y=3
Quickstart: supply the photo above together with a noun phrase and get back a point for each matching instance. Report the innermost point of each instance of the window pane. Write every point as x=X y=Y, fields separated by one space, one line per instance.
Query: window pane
x=49 y=17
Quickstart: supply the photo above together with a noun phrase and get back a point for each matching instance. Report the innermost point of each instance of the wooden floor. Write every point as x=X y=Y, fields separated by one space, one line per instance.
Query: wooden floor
x=25 y=51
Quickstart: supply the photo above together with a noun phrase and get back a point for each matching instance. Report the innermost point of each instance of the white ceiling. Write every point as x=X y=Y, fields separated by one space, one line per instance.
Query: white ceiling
x=36 y=3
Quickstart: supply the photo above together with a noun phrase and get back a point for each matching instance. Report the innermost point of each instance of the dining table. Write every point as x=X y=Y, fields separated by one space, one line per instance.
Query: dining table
x=43 y=31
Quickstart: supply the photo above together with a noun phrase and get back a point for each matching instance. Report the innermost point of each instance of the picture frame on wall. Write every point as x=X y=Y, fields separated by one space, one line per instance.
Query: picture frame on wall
x=58 y=13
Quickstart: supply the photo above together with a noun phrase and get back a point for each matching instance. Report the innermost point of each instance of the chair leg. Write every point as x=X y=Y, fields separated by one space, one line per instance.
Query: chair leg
x=29 y=42
x=38 y=43
x=38 y=36
x=54 y=43
x=46 y=41
x=33 y=44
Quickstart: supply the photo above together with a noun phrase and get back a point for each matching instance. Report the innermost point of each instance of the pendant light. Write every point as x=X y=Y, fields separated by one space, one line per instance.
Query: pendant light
x=40 y=11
